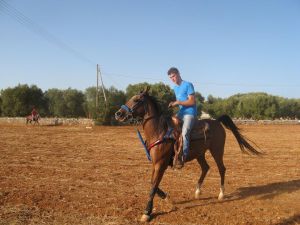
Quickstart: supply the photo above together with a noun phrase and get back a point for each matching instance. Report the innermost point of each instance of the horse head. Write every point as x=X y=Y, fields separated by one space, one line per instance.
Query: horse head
x=134 y=108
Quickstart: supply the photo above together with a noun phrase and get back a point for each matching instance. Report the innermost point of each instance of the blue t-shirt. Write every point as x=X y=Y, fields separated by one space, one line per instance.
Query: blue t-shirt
x=182 y=92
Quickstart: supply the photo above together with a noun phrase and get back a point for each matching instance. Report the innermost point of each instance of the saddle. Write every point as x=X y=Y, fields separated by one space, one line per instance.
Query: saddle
x=200 y=131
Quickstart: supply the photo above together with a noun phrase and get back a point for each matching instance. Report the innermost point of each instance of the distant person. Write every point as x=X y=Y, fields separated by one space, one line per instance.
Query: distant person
x=34 y=114
x=185 y=99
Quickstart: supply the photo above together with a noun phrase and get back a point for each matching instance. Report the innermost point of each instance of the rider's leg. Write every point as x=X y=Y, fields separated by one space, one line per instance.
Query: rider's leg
x=188 y=123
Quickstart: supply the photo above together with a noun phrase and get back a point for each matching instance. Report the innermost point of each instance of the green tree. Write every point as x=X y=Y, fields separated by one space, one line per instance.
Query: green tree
x=20 y=100
x=199 y=102
x=134 y=89
x=160 y=91
x=65 y=103
x=211 y=99
x=106 y=113
x=74 y=103
x=251 y=105
x=164 y=95
x=0 y=104
x=213 y=106
x=55 y=102
x=90 y=102
x=289 y=108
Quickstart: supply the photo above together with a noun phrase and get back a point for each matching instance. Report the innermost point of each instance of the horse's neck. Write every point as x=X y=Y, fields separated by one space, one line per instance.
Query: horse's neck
x=151 y=122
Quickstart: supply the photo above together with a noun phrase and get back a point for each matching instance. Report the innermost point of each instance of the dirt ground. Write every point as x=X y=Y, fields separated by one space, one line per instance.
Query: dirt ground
x=100 y=175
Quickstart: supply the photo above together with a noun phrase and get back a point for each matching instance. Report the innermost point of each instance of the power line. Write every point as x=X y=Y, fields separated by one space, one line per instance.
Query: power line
x=152 y=78
x=109 y=77
x=136 y=77
x=35 y=28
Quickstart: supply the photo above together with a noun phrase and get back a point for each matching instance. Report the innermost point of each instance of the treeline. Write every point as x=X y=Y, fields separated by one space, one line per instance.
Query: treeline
x=254 y=106
x=19 y=101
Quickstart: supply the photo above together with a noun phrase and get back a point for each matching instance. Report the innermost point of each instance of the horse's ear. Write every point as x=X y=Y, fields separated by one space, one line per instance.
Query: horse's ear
x=146 y=90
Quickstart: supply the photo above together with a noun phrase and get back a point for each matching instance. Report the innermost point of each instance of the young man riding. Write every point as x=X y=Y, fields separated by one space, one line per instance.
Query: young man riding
x=185 y=99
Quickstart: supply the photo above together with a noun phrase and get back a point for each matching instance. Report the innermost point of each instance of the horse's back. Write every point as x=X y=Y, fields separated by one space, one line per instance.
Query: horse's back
x=208 y=128
x=206 y=134
x=217 y=134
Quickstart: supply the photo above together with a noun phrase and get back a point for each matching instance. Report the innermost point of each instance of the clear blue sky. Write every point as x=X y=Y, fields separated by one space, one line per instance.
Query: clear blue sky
x=223 y=47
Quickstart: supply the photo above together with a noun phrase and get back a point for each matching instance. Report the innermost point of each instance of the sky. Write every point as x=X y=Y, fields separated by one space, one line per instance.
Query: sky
x=222 y=47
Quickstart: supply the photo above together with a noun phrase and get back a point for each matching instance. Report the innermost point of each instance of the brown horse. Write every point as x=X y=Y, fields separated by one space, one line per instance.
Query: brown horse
x=30 y=119
x=155 y=126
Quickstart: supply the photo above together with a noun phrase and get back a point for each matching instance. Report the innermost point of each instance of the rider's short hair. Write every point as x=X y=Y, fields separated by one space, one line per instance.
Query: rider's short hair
x=173 y=70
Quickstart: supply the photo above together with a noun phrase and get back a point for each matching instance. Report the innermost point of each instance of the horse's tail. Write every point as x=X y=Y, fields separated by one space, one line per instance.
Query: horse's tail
x=243 y=142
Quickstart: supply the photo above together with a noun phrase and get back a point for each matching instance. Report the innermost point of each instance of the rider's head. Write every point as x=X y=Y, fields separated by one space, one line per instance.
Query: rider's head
x=174 y=75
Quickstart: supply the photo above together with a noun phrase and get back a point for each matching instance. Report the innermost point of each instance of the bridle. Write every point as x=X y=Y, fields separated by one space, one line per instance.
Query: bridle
x=129 y=116
x=130 y=111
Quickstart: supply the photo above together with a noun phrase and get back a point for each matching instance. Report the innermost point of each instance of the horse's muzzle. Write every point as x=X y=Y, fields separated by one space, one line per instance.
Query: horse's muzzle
x=118 y=115
x=122 y=116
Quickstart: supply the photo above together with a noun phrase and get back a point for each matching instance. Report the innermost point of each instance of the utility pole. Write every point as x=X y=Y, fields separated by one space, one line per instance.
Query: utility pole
x=103 y=88
x=97 y=89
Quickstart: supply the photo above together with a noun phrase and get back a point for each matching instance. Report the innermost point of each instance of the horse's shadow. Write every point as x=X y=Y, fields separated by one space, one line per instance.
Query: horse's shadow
x=290 y=221
x=263 y=192
x=267 y=191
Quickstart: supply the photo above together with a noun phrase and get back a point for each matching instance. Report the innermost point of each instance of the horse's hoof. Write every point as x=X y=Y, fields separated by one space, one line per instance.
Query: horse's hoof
x=197 y=193
x=145 y=218
x=221 y=197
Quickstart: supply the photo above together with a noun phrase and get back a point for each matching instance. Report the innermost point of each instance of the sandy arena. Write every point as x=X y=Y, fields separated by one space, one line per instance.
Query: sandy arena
x=100 y=175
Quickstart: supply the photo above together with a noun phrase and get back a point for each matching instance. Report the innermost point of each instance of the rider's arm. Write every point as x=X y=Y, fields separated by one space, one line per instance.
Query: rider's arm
x=189 y=102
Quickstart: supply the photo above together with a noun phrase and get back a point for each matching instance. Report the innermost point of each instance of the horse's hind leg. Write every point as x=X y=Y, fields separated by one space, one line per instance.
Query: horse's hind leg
x=204 y=167
x=217 y=154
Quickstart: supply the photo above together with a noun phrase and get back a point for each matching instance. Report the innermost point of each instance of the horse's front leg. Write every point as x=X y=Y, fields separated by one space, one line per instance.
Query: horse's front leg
x=157 y=175
x=161 y=193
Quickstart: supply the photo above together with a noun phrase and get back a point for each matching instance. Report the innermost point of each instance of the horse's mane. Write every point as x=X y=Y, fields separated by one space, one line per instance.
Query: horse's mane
x=155 y=103
x=163 y=120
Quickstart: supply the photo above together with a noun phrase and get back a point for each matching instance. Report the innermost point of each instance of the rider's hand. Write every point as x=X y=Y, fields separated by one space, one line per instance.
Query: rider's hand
x=172 y=104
